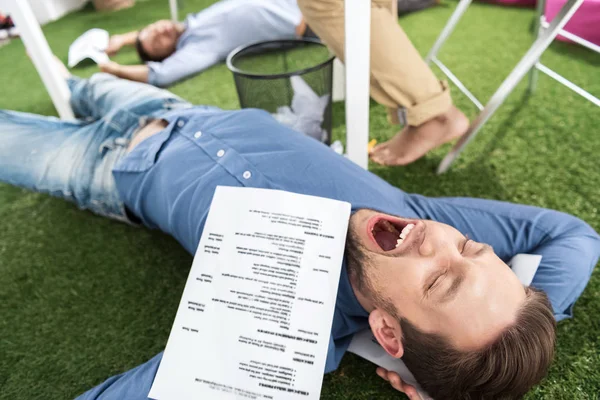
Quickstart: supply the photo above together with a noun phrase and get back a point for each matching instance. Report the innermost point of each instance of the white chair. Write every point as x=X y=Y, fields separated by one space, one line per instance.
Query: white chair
x=41 y=55
x=529 y=62
x=541 y=25
x=357 y=62
x=357 y=73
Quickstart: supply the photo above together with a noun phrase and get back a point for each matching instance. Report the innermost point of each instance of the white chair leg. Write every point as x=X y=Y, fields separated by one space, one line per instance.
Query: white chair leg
x=447 y=31
x=357 y=53
x=174 y=10
x=339 y=81
x=526 y=63
x=538 y=29
x=41 y=55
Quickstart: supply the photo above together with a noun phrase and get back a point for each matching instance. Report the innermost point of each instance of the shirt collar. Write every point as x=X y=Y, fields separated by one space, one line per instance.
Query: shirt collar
x=346 y=299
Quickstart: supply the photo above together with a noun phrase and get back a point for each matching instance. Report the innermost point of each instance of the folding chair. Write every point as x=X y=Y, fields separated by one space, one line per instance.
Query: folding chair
x=541 y=25
x=41 y=55
x=530 y=62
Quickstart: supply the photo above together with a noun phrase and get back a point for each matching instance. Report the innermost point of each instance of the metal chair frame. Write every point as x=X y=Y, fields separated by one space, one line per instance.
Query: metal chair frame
x=546 y=33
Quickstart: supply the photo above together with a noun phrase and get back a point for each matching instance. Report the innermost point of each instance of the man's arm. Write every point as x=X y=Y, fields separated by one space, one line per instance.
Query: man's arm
x=117 y=42
x=184 y=63
x=138 y=73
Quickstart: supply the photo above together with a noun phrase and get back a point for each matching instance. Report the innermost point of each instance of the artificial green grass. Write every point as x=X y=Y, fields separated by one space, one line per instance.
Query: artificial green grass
x=83 y=298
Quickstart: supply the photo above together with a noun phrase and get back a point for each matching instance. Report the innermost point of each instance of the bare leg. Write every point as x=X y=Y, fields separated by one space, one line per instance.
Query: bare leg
x=413 y=142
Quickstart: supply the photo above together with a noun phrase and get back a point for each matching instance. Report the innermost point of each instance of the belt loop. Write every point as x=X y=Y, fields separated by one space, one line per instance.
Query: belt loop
x=122 y=142
x=108 y=144
x=142 y=121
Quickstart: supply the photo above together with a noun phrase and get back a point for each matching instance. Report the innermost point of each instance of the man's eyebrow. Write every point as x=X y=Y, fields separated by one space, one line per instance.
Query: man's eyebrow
x=453 y=289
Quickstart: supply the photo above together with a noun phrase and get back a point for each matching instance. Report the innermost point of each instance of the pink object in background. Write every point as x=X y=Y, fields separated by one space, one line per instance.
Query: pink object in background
x=514 y=3
x=585 y=23
x=517 y=3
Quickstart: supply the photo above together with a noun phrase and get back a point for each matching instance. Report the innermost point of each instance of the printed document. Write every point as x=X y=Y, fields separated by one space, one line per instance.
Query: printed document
x=255 y=317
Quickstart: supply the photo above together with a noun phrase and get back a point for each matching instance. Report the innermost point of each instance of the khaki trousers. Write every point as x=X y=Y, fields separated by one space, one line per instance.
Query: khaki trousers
x=399 y=76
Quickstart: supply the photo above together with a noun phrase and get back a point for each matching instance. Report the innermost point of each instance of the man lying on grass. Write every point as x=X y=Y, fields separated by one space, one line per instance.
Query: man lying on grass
x=427 y=275
x=171 y=51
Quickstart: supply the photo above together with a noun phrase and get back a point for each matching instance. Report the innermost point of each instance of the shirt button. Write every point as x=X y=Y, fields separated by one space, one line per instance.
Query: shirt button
x=197 y=134
x=180 y=123
x=220 y=153
x=247 y=174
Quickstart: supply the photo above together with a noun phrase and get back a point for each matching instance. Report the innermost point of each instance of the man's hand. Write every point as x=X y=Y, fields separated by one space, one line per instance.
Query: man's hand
x=110 y=67
x=394 y=379
x=115 y=44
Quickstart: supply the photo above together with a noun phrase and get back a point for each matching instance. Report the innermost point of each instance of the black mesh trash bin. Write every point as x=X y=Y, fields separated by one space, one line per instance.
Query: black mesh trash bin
x=291 y=79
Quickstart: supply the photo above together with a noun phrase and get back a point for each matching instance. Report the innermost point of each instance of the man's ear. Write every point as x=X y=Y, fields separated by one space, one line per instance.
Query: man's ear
x=387 y=331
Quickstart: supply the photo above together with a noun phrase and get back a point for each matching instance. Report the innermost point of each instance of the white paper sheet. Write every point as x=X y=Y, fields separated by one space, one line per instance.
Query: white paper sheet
x=525 y=266
x=366 y=346
x=92 y=44
x=306 y=112
x=255 y=316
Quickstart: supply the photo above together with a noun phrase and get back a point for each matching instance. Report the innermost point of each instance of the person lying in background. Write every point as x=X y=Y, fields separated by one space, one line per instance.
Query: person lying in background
x=426 y=275
x=172 y=51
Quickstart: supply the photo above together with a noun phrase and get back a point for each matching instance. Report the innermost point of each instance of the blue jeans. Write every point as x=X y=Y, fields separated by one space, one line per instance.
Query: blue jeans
x=74 y=159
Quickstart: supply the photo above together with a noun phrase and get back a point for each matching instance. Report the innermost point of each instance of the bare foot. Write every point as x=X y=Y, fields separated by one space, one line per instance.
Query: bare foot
x=413 y=142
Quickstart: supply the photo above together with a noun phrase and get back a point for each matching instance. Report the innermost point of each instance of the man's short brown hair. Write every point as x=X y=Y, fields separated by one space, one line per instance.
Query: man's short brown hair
x=142 y=53
x=503 y=370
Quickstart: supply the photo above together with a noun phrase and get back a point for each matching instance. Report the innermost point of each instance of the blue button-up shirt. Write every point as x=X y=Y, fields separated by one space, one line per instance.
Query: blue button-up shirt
x=212 y=33
x=168 y=181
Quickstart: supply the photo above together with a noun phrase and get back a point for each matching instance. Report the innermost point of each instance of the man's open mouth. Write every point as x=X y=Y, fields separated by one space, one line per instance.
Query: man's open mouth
x=390 y=234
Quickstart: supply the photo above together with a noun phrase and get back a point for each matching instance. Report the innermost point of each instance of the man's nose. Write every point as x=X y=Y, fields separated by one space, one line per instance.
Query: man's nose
x=427 y=247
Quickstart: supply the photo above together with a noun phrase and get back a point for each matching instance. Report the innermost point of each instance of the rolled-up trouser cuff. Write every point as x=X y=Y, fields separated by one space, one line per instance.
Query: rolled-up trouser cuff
x=420 y=113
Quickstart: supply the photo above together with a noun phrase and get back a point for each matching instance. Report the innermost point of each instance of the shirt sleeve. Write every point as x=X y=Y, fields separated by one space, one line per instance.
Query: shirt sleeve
x=185 y=62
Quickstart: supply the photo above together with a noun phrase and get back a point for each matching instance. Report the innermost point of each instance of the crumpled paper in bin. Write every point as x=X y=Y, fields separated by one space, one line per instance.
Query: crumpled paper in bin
x=307 y=110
